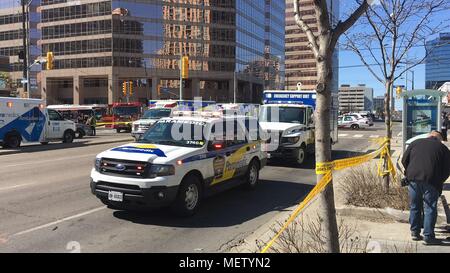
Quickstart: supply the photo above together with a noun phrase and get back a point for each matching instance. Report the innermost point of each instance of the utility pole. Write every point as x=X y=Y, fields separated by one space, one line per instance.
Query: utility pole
x=25 y=48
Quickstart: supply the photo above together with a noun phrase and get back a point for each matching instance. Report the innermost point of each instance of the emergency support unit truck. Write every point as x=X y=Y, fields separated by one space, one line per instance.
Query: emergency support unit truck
x=27 y=120
x=178 y=161
x=287 y=117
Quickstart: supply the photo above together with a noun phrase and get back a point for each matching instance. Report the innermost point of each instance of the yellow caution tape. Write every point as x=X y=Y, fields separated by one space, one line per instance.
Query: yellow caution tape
x=314 y=192
x=99 y=124
x=326 y=169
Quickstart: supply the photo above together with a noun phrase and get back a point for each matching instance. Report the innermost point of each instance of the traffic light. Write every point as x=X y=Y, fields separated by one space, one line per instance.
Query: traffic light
x=185 y=67
x=399 y=91
x=49 y=60
x=131 y=88
x=125 y=88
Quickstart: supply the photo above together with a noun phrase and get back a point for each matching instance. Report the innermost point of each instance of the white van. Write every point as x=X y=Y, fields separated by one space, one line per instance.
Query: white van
x=27 y=120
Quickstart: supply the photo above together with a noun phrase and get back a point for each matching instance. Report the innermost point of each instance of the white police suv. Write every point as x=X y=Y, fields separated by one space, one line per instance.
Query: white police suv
x=180 y=160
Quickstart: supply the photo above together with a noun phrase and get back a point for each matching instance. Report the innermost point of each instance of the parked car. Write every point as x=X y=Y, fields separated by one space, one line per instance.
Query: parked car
x=351 y=122
x=365 y=117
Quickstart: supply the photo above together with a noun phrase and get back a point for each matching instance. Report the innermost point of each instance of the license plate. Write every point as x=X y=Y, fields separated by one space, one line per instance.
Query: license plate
x=115 y=196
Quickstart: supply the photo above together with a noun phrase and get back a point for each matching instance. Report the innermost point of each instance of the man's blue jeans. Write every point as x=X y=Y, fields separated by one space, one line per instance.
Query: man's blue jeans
x=423 y=198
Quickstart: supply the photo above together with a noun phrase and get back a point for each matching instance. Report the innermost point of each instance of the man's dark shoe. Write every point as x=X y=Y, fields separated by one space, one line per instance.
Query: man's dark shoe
x=416 y=236
x=432 y=242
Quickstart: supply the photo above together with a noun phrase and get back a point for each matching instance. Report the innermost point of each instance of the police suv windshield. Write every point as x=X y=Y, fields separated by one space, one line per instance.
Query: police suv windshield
x=183 y=133
x=283 y=114
x=157 y=113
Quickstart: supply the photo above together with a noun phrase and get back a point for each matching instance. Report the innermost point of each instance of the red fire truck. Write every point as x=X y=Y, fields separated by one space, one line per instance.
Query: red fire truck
x=121 y=115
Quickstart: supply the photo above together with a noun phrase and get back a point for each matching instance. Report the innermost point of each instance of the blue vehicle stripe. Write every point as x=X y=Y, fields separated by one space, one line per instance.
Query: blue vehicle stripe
x=137 y=150
x=20 y=124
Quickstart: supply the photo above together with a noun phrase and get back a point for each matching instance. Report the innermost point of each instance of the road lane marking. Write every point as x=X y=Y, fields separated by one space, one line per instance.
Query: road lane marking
x=358 y=136
x=374 y=136
x=15 y=187
x=59 y=221
x=343 y=135
x=47 y=161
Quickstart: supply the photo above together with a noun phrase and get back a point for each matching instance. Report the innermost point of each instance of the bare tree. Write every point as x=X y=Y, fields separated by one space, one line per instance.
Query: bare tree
x=322 y=44
x=385 y=35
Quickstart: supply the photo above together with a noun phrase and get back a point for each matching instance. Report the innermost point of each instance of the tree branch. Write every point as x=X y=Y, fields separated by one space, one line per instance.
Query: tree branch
x=358 y=52
x=306 y=28
x=342 y=27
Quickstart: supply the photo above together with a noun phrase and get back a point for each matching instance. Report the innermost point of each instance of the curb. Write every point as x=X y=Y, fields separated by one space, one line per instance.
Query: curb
x=387 y=214
x=19 y=151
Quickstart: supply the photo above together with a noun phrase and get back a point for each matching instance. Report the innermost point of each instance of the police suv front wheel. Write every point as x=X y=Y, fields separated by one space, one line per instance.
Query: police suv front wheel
x=252 y=175
x=189 y=196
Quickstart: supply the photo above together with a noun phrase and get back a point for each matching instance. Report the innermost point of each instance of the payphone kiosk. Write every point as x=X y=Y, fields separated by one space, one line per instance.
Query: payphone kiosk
x=421 y=113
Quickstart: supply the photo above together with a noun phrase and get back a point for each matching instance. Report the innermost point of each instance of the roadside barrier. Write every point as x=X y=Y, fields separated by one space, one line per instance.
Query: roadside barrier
x=327 y=168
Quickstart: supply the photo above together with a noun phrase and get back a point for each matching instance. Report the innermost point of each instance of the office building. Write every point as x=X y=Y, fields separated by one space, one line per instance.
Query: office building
x=99 y=44
x=355 y=98
x=11 y=43
x=437 y=63
x=378 y=104
x=300 y=61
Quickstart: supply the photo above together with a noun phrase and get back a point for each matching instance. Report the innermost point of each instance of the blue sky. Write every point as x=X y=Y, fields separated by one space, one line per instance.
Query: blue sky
x=361 y=75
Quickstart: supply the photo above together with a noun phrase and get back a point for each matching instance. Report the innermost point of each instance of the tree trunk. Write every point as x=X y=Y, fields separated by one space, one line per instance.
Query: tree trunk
x=323 y=153
x=392 y=92
x=388 y=122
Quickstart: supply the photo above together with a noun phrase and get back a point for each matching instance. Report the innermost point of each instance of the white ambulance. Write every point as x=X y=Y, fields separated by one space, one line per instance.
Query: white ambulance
x=27 y=120
x=180 y=160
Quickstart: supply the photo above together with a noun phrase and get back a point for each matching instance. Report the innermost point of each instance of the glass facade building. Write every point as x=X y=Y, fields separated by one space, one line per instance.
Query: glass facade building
x=235 y=48
x=437 y=68
x=11 y=41
x=275 y=45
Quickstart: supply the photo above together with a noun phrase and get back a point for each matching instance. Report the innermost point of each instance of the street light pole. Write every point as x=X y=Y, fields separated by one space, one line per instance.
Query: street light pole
x=181 y=77
x=25 y=48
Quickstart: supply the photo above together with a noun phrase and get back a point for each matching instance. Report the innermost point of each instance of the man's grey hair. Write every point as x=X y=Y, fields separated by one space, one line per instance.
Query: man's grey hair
x=437 y=135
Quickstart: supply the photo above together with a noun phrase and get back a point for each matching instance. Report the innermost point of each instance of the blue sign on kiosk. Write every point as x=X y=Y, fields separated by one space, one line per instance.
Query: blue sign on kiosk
x=421 y=113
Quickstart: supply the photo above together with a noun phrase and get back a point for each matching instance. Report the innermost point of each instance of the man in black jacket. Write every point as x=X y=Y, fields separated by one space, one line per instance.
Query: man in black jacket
x=445 y=127
x=427 y=167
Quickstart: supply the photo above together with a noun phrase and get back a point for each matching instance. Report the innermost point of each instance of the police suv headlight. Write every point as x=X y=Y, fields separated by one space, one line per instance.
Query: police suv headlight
x=98 y=162
x=161 y=170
